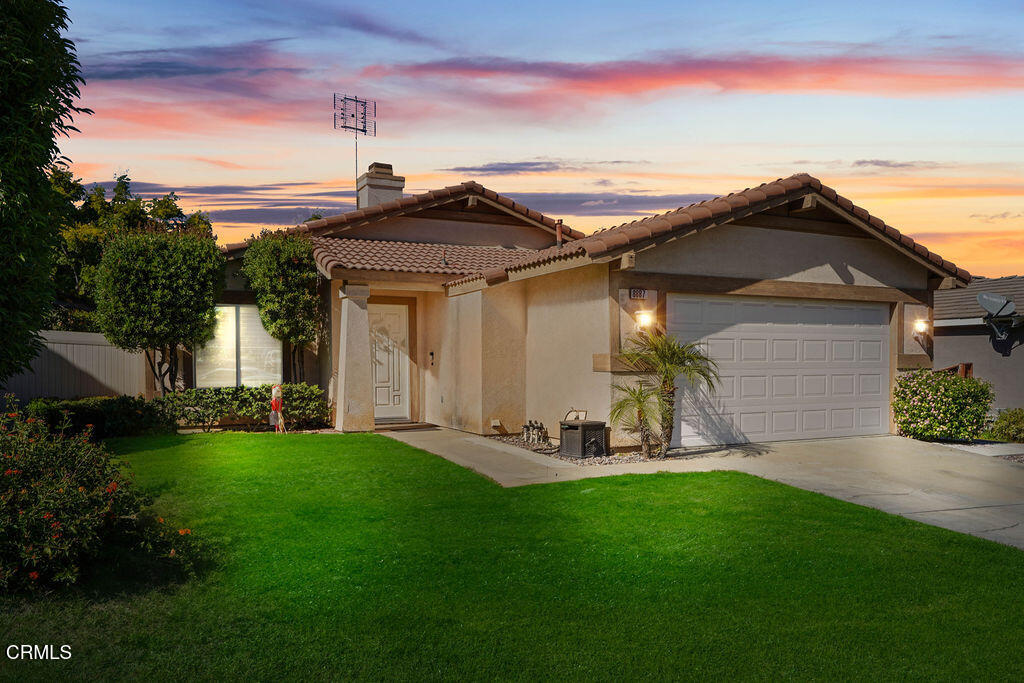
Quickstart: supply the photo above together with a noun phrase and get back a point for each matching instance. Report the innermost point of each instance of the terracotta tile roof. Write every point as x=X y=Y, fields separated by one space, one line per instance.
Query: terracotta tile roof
x=381 y=211
x=408 y=257
x=702 y=214
x=963 y=303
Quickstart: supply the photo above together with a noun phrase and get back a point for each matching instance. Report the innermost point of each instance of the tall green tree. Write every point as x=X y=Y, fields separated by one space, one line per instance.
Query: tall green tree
x=664 y=359
x=156 y=293
x=280 y=269
x=88 y=219
x=39 y=84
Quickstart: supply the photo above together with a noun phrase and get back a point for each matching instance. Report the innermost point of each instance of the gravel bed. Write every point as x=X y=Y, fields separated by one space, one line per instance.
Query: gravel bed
x=551 y=450
x=1013 y=458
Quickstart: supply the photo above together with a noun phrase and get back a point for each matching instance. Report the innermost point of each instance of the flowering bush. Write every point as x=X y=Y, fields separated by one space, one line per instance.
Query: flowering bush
x=64 y=502
x=1009 y=425
x=939 y=405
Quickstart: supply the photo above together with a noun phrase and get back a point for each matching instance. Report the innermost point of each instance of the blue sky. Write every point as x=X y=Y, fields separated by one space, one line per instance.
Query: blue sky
x=595 y=112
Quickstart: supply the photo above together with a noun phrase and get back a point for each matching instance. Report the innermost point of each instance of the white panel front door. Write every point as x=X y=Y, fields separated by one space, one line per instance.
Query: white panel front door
x=389 y=353
x=790 y=368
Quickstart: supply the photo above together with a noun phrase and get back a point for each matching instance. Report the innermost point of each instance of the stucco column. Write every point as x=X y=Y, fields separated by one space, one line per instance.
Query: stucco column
x=354 y=399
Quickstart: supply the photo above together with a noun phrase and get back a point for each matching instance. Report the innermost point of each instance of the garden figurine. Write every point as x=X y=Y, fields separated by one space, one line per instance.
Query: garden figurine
x=276 y=407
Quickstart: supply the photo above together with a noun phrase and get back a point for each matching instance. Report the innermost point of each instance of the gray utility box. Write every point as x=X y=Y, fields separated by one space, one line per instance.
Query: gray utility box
x=581 y=439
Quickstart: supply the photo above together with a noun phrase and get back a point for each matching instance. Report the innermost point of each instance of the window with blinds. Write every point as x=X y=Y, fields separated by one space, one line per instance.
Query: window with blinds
x=241 y=352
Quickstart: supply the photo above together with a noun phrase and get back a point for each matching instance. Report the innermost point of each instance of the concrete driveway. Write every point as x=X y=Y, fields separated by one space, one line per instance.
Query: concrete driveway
x=931 y=483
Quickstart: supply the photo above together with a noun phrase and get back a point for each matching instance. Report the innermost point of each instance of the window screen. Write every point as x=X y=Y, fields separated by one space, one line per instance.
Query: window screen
x=240 y=353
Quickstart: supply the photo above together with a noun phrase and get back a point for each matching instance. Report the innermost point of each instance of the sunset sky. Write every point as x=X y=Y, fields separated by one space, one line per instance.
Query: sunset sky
x=592 y=112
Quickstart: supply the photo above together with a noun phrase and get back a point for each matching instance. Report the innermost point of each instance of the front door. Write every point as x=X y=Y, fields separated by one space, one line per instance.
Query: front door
x=389 y=353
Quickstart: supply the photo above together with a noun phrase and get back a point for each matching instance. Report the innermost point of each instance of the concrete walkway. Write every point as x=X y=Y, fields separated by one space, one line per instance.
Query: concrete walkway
x=931 y=483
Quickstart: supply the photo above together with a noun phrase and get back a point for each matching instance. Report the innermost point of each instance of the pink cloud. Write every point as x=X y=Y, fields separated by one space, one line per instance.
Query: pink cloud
x=865 y=75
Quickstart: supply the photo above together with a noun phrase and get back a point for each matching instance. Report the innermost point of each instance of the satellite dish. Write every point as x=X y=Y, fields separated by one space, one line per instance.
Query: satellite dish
x=996 y=304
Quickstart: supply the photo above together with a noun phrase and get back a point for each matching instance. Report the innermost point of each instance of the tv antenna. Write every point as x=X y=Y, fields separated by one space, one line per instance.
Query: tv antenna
x=357 y=115
x=1005 y=323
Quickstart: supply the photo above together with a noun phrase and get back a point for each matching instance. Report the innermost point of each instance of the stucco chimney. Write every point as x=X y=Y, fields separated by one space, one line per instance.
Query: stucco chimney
x=378 y=185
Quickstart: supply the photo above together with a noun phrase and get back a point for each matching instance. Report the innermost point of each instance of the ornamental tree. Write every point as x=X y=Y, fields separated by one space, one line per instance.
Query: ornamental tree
x=155 y=293
x=39 y=79
x=280 y=269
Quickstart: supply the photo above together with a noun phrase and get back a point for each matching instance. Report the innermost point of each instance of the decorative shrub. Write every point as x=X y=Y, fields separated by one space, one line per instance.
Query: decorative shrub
x=1009 y=426
x=939 y=405
x=305 y=406
x=64 y=502
x=201 y=407
x=103 y=416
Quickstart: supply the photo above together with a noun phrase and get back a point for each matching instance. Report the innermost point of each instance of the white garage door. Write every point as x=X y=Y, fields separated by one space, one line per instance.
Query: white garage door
x=790 y=368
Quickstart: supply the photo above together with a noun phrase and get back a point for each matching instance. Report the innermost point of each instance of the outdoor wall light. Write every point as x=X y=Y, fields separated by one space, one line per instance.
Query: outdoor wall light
x=922 y=336
x=644 y=319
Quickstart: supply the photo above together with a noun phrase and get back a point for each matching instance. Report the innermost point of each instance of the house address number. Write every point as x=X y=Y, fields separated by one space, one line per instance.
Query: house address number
x=637 y=293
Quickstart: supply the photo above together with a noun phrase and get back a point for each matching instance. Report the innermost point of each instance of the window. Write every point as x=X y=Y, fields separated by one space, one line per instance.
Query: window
x=241 y=352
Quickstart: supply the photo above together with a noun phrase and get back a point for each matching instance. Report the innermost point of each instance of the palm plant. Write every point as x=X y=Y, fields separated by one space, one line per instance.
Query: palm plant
x=665 y=359
x=638 y=410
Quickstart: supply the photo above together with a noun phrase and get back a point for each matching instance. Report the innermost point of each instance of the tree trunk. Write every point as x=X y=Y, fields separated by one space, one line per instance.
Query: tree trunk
x=668 y=417
x=300 y=358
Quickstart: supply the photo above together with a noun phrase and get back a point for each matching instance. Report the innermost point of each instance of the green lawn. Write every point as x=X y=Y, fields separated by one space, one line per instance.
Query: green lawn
x=357 y=556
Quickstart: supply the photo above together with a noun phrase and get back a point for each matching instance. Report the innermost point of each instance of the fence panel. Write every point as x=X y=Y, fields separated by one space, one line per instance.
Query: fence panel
x=77 y=364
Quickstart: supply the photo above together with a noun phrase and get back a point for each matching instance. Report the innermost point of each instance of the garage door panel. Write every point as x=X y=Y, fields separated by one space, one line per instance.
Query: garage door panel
x=789 y=368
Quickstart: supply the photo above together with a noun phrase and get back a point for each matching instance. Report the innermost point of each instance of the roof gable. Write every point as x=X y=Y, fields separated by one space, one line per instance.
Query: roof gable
x=470 y=198
x=963 y=303
x=734 y=206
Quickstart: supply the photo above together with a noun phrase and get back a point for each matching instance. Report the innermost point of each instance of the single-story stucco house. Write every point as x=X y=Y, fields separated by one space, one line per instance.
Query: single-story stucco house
x=462 y=308
x=961 y=336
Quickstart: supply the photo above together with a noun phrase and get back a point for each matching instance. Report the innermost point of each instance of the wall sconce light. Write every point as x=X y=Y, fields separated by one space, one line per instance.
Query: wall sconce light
x=922 y=330
x=644 y=319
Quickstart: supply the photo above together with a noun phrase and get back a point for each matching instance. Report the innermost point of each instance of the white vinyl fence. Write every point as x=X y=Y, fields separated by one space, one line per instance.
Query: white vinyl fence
x=77 y=364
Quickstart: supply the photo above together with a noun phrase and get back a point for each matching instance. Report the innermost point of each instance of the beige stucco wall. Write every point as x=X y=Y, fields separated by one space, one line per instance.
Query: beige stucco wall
x=503 y=357
x=453 y=384
x=567 y=322
x=764 y=253
x=411 y=229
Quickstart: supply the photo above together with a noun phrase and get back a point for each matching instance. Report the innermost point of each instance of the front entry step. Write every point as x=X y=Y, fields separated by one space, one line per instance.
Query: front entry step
x=400 y=425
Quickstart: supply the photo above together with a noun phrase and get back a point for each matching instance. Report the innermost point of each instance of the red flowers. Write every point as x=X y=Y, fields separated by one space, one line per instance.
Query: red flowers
x=33 y=575
x=160 y=520
x=47 y=515
x=111 y=487
x=182 y=532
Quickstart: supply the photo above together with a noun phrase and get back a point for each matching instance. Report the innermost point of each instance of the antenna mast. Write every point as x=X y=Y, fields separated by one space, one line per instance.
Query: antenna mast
x=357 y=115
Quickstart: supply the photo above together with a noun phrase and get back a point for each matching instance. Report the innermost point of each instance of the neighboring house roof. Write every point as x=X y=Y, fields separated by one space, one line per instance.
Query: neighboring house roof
x=697 y=216
x=962 y=304
x=408 y=257
x=413 y=202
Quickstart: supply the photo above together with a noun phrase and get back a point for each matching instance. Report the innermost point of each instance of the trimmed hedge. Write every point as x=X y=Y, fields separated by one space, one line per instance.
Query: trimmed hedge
x=305 y=407
x=103 y=415
x=931 y=405
x=1009 y=425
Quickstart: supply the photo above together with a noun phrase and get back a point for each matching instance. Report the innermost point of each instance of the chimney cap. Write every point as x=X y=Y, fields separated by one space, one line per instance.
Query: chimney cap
x=380 y=167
